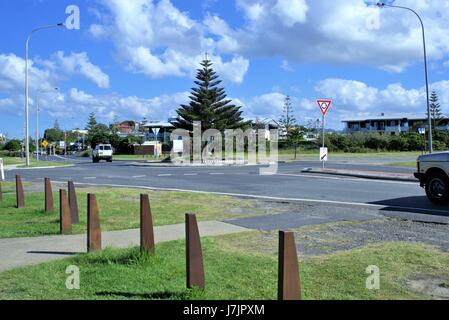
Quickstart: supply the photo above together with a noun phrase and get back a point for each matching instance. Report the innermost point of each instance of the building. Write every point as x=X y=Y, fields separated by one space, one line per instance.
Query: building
x=158 y=130
x=391 y=123
x=126 y=128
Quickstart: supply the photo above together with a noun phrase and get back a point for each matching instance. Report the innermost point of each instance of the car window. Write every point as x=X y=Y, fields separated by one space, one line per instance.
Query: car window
x=101 y=147
x=107 y=148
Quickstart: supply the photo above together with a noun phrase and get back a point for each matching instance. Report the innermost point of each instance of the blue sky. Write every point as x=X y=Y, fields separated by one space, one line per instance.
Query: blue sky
x=137 y=58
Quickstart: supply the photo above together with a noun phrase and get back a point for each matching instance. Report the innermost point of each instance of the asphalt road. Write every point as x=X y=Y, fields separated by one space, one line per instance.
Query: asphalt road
x=289 y=184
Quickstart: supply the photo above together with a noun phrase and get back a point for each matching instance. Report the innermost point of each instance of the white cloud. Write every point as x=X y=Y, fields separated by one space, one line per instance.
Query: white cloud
x=338 y=31
x=79 y=63
x=158 y=40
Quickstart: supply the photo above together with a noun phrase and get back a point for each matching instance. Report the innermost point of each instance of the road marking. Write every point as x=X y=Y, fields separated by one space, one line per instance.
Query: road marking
x=165 y=175
x=141 y=176
x=190 y=174
x=90 y=178
x=253 y=196
x=346 y=179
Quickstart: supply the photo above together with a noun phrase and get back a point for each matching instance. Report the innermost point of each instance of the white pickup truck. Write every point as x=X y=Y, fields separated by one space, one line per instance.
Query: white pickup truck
x=102 y=152
x=433 y=174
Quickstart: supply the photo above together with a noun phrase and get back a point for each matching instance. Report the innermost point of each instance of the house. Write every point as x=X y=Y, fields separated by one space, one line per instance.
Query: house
x=126 y=128
x=391 y=123
x=158 y=130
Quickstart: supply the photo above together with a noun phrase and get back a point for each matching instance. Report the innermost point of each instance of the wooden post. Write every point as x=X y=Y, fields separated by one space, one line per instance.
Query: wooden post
x=1 y=192
x=289 y=287
x=194 y=254
x=93 y=224
x=48 y=196
x=146 y=225
x=64 y=213
x=73 y=203
x=20 y=196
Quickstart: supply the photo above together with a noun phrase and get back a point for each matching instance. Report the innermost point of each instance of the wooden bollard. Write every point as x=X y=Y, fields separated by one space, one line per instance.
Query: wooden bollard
x=48 y=196
x=146 y=225
x=93 y=224
x=73 y=203
x=194 y=254
x=1 y=192
x=289 y=287
x=65 y=221
x=20 y=196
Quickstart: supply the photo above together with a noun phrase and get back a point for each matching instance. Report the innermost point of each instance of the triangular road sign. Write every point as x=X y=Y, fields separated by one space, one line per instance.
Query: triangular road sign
x=324 y=105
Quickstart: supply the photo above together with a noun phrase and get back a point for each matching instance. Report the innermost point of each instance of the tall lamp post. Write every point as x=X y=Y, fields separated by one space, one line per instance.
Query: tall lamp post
x=37 y=120
x=382 y=5
x=27 y=135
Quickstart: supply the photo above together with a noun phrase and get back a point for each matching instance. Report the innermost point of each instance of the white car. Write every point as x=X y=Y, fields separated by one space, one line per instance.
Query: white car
x=102 y=152
x=433 y=174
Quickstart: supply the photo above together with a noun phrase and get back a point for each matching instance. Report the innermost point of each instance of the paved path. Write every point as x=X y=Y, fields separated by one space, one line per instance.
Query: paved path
x=20 y=252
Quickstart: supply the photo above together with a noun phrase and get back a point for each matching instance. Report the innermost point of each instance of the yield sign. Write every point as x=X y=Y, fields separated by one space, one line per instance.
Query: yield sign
x=324 y=105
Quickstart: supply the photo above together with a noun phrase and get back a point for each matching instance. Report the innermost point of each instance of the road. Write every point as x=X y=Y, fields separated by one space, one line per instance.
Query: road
x=289 y=184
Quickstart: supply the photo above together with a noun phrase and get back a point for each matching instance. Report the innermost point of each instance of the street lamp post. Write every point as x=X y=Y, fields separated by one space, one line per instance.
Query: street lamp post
x=27 y=136
x=37 y=123
x=429 y=116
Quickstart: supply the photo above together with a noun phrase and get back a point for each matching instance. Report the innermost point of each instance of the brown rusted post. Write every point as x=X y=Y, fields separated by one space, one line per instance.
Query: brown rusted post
x=194 y=254
x=48 y=196
x=65 y=222
x=93 y=224
x=1 y=192
x=73 y=203
x=289 y=287
x=146 y=225
x=19 y=193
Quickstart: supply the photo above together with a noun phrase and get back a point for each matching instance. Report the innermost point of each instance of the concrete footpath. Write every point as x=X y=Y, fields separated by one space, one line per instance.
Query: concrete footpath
x=19 y=252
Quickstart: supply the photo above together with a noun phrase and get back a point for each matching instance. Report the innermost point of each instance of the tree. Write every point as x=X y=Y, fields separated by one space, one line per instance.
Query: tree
x=99 y=134
x=92 y=122
x=12 y=145
x=435 y=109
x=208 y=104
x=295 y=136
x=288 y=120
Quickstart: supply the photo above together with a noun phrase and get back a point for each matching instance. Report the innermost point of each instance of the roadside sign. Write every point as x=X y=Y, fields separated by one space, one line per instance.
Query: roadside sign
x=422 y=130
x=323 y=154
x=62 y=144
x=45 y=144
x=324 y=105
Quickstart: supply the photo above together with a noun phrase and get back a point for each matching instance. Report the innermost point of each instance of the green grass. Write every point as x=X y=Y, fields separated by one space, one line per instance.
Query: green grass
x=230 y=274
x=33 y=163
x=289 y=154
x=119 y=210
x=132 y=157
x=403 y=164
x=8 y=187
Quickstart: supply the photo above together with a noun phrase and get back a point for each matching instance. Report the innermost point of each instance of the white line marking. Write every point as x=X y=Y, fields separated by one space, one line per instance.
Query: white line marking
x=361 y=204
x=165 y=175
x=190 y=174
x=141 y=176
x=90 y=178
x=347 y=179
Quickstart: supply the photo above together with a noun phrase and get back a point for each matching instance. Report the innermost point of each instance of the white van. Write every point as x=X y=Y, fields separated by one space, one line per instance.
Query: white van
x=102 y=152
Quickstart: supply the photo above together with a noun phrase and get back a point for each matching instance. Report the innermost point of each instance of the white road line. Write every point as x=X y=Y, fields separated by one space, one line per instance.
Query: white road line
x=165 y=175
x=190 y=174
x=89 y=178
x=360 y=204
x=141 y=176
x=347 y=179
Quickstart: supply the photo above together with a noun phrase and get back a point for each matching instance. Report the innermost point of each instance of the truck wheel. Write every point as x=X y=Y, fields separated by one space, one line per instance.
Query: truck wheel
x=437 y=188
x=94 y=160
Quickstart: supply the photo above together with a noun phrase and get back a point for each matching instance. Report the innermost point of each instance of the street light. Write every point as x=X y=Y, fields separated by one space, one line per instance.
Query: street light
x=27 y=136
x=381 y=5
x=37 y=120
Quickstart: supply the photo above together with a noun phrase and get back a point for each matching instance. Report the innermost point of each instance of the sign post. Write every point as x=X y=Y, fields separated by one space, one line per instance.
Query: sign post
x=324 y=107
x=2 y=172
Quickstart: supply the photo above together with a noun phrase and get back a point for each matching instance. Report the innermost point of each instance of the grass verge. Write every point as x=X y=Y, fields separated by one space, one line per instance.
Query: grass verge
x=411 y=164
x=119 y=210
x=230 y=274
